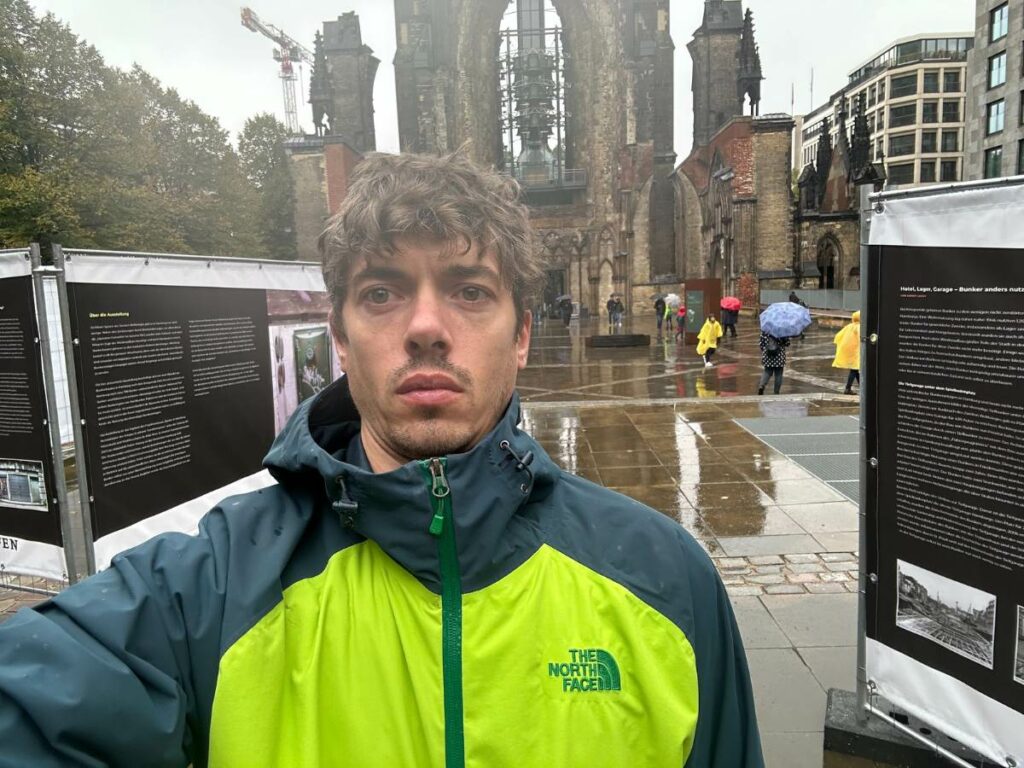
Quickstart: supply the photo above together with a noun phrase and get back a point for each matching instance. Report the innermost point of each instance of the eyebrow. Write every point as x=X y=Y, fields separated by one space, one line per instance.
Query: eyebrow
x=452 y=272
x=470 y=271
x=378 y=272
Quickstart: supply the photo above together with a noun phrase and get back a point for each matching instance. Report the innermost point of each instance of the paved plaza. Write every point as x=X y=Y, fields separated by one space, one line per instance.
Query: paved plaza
x=694 y=443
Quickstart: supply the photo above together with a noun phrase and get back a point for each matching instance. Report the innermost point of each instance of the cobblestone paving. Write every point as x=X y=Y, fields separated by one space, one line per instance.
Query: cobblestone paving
x=816 y=574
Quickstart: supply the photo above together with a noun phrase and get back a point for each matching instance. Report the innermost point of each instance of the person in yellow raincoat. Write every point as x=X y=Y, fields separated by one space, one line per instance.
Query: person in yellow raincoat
x=847 y=343
x=707 y=339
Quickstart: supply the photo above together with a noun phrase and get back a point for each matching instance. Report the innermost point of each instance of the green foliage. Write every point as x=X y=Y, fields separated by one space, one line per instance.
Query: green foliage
x=266 y=165
x=92 y=156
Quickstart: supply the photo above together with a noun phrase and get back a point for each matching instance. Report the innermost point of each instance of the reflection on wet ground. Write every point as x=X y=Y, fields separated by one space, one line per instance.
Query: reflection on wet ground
x=655 y=424
x=695 y=464
x=563 y=368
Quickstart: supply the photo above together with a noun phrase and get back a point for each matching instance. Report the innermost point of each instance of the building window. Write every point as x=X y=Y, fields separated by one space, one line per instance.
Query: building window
x=904 y=86
x=871 y=96
x=997 y=70
x=996 y=112
x=879 y=148
x=951 y=111
x=871 y=124
x=1020 y=157
x=901 y=174
x=1022 y=107
x=929 y=112
x=999 y=22
x=931 y=81
x=881 y=91
x=947 y=170
x=951 y=81
x=951 y=141
x=993 y=163
x=904 y=144
x=927 y=171
x=905 y=115
x=929 y=142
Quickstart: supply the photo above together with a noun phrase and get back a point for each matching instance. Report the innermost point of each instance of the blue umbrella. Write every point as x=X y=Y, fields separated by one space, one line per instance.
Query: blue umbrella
x=784 y=319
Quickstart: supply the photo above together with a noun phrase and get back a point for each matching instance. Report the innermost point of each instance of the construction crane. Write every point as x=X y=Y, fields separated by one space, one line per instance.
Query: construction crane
x=289 y=52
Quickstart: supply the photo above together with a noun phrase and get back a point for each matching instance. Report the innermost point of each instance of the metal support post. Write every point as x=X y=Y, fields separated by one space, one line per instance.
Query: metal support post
x=85 y=499
x=866 y=473
x=60 y=492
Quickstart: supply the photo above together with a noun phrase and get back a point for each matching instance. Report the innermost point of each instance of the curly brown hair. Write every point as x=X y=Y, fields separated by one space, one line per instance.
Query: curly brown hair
x=447 y=199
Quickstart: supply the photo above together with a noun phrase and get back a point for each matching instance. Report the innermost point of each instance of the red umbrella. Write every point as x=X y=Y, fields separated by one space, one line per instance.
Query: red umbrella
x=731 y=303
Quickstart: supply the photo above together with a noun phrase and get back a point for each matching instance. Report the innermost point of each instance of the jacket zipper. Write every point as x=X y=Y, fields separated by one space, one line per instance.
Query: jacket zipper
x=443 y=528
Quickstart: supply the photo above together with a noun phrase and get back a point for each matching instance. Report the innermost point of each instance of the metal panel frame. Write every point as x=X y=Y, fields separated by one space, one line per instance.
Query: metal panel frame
x=70 y=343
x=67 y=522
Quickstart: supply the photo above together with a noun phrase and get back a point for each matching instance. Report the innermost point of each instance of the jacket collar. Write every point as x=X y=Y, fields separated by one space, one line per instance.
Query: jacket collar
x=491 y=484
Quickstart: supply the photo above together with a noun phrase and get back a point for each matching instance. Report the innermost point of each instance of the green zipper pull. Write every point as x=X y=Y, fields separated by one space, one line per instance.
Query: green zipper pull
x=439 y=489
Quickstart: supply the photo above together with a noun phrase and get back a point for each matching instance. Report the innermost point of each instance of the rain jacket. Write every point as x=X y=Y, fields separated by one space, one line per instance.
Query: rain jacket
x=847 y=343
x=483 y=609
x=709 y=335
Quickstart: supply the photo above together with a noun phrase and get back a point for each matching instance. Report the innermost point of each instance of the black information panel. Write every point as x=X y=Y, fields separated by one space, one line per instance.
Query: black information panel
x=27 y=508
x=175 y=392
x=948 y=416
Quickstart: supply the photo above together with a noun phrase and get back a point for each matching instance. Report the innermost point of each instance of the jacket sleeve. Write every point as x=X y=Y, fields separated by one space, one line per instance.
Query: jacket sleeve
x=111 y=671
x=727 y=734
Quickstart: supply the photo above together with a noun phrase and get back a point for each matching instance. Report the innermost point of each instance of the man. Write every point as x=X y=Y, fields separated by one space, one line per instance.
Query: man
x=423 y=586
x=610 y=307
x=729 y=318
x=659 y=312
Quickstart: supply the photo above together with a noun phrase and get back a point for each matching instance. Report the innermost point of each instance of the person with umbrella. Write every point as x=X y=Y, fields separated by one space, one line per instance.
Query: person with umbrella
x=680 y=323
x=779 y=322
x=707 y=339
x=730 y=314
x=773 y=360
x=847 y=343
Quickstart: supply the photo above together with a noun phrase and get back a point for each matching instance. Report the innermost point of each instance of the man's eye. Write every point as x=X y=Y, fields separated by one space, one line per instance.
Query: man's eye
x=378 y=295
x=472 y=293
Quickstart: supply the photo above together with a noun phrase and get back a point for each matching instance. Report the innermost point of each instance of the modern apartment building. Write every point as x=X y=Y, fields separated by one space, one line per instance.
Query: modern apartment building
x=915 y=93
x=995 y=79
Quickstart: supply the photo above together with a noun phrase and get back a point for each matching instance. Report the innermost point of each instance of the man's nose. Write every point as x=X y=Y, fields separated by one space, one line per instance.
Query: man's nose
x=428 y=332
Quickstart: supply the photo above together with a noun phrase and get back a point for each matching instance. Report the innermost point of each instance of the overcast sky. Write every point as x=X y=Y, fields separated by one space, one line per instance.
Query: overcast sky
x=200 y=48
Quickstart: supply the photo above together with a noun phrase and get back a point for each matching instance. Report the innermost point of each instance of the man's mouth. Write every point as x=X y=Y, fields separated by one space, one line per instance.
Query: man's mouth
x=429 y=389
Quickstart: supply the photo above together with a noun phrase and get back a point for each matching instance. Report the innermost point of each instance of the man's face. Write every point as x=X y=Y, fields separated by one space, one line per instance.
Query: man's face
x=429 y=343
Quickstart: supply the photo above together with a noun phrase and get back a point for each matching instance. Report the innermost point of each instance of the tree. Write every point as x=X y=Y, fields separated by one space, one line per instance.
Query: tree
x=266 y=164
x=92 y=156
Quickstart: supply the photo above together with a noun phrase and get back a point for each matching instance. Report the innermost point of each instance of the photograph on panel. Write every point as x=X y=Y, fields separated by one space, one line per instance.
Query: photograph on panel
x=301 y=352
x=950 y=613
x=22 y=484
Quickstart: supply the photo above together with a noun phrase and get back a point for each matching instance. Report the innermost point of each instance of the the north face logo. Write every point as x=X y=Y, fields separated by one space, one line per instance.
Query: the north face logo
x=588 y=670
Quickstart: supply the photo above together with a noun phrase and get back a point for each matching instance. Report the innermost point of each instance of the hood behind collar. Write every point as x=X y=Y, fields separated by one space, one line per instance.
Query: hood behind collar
x=489 y=483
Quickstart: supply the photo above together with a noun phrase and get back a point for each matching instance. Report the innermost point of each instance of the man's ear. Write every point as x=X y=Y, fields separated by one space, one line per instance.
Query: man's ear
x=523 y=340
x=338 y=338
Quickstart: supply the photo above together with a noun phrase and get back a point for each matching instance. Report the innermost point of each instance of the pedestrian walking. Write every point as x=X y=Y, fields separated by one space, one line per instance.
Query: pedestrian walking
x=610 y=306
x=707 y=339
x=680 y=334
x=729 y=318
x=797 y=300
x=618 y=310
x=773 y=360
x=847 y=343
x=659 y=313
